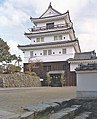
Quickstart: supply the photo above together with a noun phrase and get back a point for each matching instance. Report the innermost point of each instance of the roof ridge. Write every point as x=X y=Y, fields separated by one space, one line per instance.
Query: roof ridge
x=50 y=6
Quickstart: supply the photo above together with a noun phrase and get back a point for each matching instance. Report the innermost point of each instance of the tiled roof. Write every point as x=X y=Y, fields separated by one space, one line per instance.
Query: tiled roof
x=48 y=31
x=84 y=67
x=51 y=43
x=84 y=56
x=31 y=18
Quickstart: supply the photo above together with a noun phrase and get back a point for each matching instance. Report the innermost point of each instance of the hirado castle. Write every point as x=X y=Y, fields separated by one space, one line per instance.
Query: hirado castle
x=54 y=48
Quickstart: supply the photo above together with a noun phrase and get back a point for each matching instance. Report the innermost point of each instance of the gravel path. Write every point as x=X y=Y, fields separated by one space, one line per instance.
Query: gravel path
x=13 y=99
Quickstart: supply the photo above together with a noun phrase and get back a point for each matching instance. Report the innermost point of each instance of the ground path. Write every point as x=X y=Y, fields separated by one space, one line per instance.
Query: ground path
x=12 y=99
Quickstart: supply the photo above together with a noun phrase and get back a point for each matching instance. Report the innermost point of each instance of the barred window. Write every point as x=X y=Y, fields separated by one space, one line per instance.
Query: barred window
x=31 y=54
x=55 y=37
x=44 y=52
x=49 y=52
x=47 y=68
x=58 y=37
x=38 y=40
x=64 y=51
x=42 y=39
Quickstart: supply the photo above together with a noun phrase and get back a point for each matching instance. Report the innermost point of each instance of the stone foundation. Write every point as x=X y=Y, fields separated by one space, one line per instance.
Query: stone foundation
x=19 y=80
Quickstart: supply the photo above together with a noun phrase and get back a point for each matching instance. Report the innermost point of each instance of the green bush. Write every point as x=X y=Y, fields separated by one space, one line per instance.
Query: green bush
x=31 y=73
x=48 y=78
x=13 y=68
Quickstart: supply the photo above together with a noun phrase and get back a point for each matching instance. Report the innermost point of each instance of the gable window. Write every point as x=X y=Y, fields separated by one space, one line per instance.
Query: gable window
x=50 y=25
x=31 y=54
x=44 y=52
x=64 y=51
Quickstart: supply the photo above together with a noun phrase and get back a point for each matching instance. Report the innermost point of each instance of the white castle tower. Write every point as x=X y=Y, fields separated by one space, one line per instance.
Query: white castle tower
x=53 y=42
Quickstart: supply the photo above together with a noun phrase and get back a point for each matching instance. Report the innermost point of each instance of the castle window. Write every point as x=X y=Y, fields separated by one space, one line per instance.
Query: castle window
x=31 y=54
x=59 y=37
x=44 y=52
x=50 y=25
x=64 y=51
x=49 y=52
x=42 y=39
x=38 y=40
x=55 y=37
x=47 y=68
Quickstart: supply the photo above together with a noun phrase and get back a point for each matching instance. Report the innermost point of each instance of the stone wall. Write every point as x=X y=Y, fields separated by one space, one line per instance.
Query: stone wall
x=19 y=80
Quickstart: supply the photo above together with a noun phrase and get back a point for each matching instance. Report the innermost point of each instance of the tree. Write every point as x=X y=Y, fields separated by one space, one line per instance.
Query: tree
x=12 y=68
x=62 y=79
x=4 y=51
x=5 y=55
x=48 y=78
x=19 y=60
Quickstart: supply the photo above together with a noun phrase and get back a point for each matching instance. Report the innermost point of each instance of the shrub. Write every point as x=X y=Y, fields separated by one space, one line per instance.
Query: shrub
x=13 y=68
x=31 y=73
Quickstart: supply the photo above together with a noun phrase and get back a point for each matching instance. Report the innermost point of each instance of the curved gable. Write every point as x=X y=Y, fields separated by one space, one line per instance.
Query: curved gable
x=50 y=12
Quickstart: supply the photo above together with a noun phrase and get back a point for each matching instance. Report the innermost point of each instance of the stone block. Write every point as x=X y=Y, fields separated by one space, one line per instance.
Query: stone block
x=37 y=107
x=67 y=113
x=27 y=115
x=83 y=115
x=8 y=115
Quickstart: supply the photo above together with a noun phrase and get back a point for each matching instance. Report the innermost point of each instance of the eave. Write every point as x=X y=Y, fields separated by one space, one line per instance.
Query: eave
x=50 y=18
x=77 y=47
x=47 y=45
x=49 y=32
x=79 y=61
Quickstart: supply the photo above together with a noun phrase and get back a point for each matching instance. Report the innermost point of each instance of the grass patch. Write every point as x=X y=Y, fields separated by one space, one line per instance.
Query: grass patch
x=44 y=117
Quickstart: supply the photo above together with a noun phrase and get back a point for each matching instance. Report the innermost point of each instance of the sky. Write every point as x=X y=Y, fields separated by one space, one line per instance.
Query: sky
x=15 y=20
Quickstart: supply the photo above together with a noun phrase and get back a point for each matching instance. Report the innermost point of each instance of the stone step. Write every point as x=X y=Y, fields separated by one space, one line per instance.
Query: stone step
x=44 y=108
x=67 y=113
x=27 y=115
x=84 y=115
x=8 y=115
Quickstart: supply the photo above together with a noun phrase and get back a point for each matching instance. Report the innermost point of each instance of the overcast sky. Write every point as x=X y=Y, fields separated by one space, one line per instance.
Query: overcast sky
x=15 y=14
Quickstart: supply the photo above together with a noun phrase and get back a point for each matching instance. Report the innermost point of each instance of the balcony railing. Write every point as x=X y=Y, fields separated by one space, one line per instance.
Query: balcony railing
x=45 y=28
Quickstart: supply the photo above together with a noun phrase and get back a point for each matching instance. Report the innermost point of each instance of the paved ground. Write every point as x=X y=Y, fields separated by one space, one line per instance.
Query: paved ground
x=12 y=99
